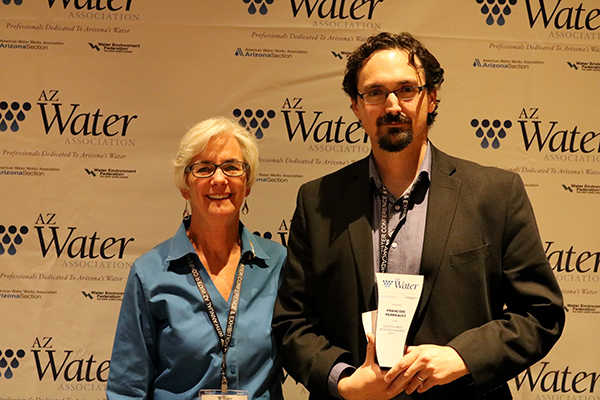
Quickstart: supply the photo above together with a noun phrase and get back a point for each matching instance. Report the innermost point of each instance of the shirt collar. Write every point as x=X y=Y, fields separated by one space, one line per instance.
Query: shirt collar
x=180 y=245
x=423 y=175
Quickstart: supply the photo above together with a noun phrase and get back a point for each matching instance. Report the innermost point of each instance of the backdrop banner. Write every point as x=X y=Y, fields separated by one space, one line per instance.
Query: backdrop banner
x=95 y=95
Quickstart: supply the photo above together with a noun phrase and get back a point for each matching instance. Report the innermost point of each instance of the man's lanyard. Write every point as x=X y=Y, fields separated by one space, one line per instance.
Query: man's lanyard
x=385 y=241
x=224 y=339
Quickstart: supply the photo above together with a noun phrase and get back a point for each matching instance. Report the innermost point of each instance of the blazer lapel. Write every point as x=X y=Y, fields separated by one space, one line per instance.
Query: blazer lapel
x=443 y=199
x=358 y=195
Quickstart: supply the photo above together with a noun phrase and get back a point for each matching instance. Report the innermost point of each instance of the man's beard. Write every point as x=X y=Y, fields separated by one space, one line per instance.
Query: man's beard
x=395 y=139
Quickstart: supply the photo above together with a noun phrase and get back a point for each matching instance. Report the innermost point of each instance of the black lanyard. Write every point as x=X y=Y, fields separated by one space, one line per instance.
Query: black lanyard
x=385 y=241
x=224 y=339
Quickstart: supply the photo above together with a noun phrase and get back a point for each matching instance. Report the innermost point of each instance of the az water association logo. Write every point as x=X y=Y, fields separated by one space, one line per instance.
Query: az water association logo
x=569 y=19
x=9 y=362
x=57 y=241
x=321 y=132
x=65 y=368
x=496 y=11
x=564 y=17
x=490 y=132
x=120 y=10
x=10 y=238
x=551 y=380
x=255 y=121
x=343 y=14
x=558 y=142
x=12 y=115
x=387 y=283
x=259 y=6
x=81 y=125
x=318 y=128
x=551 y=138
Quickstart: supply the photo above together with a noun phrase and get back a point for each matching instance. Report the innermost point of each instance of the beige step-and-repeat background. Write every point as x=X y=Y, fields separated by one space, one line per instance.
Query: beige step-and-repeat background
x=95 y=94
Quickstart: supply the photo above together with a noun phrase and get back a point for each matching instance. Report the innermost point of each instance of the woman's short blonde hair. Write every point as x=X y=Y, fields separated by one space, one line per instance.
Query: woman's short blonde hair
x=197 y=139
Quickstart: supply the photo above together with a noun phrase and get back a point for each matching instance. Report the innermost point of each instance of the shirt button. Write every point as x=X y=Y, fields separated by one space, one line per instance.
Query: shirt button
x=396 y=207
x=232 y=369
x=394 y=245
x=231 y=343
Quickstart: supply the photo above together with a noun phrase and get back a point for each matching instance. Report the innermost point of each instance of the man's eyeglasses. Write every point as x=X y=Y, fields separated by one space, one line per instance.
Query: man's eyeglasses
x=208 y=169
x=378 y=96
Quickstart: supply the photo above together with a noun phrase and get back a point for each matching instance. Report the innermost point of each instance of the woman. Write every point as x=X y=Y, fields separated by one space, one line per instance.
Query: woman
x=166 y=345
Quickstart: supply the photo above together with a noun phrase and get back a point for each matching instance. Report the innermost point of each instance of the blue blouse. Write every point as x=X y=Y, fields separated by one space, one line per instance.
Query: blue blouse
x=166 y=347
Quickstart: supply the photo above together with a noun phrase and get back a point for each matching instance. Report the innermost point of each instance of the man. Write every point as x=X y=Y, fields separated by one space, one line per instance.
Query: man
x=490 y=305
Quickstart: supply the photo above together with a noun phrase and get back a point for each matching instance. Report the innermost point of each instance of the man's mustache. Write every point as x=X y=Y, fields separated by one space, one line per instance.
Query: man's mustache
x=393 y=119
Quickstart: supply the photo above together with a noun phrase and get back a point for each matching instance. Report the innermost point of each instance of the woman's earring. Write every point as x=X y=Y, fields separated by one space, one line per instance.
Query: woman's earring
x=245 y=208
x=186 y=212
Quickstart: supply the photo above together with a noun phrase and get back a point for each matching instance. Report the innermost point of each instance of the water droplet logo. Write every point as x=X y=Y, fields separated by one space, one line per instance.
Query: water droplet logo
x=10 y=238
x=258 y=5
x=490 y=133
x=255 y=122
x=9 y=361
x=11 y=116
x=496 y=10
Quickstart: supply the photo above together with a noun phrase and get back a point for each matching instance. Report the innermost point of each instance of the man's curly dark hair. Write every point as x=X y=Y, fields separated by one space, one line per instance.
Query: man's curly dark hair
x=434 y=73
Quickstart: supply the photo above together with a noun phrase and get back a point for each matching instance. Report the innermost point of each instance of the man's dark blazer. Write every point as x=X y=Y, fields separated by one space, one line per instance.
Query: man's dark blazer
x=489 y=291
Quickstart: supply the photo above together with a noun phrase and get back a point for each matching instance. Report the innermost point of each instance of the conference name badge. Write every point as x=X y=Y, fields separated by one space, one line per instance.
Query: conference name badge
x=214 y=394
x=398 y=298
